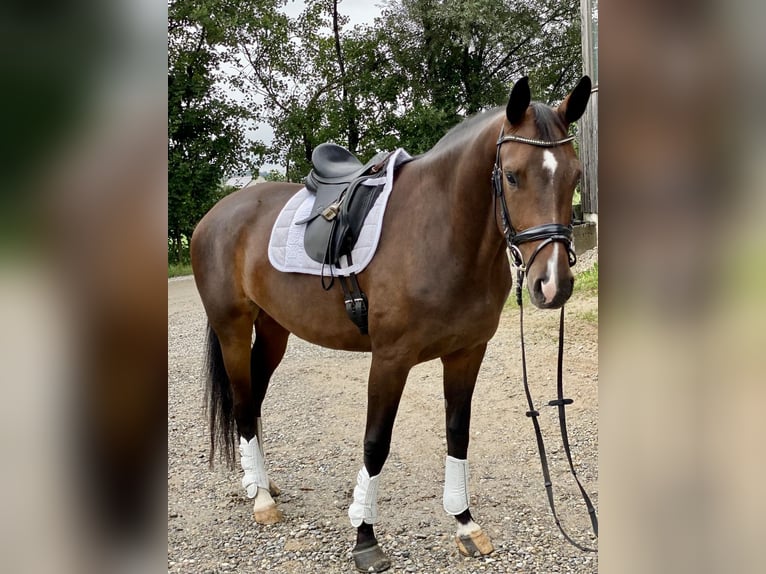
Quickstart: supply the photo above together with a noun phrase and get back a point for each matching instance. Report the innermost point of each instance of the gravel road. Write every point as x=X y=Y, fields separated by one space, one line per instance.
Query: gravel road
x=314 y=422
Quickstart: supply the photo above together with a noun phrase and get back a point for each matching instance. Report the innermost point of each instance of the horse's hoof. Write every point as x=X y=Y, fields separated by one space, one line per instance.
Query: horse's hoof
x=274 y=490
x=268 y=515
x=474 y=544
x=371 y=559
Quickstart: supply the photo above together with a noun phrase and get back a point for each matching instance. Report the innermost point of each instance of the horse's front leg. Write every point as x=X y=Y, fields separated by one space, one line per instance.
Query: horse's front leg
x=384 y=391
x=460 y=372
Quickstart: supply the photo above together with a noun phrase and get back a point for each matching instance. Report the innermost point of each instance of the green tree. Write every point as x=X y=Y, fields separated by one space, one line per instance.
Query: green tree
x=314 y=81
x=404 y=81
x=275 y=175
x=461 y=56
x=205 y=130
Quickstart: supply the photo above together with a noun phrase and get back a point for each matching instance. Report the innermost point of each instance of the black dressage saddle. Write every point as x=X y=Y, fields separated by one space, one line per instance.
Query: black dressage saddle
x=335 y=164
x=342 y=201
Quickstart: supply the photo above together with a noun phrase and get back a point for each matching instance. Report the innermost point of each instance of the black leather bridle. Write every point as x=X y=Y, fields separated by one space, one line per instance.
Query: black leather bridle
x=546 y=233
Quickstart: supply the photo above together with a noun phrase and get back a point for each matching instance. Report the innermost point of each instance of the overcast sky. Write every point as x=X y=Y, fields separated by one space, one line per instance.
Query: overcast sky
x=358 y=12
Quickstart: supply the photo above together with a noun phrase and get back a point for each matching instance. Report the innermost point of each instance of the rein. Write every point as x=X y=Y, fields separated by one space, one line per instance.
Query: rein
x=547 y=234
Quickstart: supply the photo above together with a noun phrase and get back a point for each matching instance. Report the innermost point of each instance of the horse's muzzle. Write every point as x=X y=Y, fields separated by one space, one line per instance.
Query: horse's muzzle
x=547 y=293
x=550 y=282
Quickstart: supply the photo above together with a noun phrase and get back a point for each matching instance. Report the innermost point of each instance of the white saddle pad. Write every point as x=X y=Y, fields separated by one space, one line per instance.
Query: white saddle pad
x=286 y=251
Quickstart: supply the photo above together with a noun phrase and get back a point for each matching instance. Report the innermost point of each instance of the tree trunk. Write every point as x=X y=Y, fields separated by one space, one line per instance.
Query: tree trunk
x=175 y=253
x=349 y=108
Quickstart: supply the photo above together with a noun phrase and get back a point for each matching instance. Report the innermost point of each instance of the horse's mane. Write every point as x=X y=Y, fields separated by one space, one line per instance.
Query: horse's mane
x=547 y=121
x=466 y=128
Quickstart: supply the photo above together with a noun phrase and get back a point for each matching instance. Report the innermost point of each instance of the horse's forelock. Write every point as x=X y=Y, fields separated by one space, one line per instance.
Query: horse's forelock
x=549 y=123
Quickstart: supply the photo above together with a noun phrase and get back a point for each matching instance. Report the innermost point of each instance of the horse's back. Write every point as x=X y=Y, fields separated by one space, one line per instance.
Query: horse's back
x=257 y=205
x=244 y=206
x=221 y=237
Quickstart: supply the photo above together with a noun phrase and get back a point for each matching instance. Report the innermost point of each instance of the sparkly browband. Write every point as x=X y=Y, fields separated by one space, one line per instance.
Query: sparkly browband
x=540 y=143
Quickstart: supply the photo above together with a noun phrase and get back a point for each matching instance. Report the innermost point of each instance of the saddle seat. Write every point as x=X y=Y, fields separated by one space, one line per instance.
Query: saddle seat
x=335 y=164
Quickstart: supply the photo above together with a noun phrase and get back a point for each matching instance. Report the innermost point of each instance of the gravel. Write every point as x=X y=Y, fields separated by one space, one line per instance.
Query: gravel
x=314 y=423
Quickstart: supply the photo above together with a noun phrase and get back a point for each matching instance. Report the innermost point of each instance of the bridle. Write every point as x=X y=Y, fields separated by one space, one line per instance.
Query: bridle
x=547 y=233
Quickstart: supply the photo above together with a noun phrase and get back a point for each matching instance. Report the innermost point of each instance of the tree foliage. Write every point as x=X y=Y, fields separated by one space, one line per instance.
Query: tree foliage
x=303 y=77
x=401 y=82
x=404 y=81
x=461 y=56
x=205 y=135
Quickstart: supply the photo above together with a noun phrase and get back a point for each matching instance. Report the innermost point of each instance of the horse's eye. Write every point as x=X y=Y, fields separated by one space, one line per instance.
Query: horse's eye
x=511 y=178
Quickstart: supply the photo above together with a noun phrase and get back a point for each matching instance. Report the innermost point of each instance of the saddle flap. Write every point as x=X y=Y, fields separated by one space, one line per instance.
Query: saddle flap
x=317 y=237
x=328 y=238
x=327 y=195
x=353 y=212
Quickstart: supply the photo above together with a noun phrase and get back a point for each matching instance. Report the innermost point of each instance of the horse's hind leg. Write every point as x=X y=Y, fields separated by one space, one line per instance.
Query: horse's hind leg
x=268 y=350
x=460 y=372
x=235 y=337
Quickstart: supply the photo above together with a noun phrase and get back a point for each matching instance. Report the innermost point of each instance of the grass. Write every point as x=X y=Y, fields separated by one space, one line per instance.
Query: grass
x=511 y=301
x=587 y=281
x=589 y=316
x=178 y=269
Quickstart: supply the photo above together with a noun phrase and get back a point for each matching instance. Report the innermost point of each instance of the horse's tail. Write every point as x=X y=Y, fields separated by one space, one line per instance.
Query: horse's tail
x=219 y=402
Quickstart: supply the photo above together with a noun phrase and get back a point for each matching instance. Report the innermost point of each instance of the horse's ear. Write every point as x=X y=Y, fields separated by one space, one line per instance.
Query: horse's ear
x=519 y=101
x=573 y=106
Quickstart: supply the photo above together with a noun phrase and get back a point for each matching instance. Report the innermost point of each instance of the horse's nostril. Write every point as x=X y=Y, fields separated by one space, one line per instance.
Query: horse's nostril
x=549 y=290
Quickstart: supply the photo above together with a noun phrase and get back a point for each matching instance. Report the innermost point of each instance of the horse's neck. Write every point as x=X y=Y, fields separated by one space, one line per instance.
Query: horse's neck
x=465 y=173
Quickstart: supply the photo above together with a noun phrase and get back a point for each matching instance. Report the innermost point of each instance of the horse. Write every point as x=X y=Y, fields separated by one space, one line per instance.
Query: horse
x=436 y=287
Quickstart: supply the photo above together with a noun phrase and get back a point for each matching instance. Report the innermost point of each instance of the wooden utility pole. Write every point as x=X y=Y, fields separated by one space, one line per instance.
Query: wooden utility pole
x=589 y=124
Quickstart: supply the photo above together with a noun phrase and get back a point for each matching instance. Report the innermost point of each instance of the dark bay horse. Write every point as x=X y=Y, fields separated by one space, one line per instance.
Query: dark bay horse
x=436 y=288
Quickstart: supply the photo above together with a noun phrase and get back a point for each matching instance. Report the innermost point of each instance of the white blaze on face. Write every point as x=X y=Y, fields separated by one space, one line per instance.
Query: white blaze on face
x=549 y=162
x=548 y=287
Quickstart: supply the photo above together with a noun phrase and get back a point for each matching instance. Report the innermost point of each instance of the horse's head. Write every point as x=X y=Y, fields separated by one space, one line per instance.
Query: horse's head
x=536 y=172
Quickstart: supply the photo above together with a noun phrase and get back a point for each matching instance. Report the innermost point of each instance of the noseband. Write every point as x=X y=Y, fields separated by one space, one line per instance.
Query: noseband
x=547 y=232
